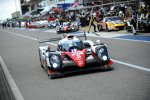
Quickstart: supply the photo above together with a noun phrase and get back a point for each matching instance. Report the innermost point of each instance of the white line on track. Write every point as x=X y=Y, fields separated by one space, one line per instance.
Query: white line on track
x=130 y=40
x=131 y=65
x=117 y=61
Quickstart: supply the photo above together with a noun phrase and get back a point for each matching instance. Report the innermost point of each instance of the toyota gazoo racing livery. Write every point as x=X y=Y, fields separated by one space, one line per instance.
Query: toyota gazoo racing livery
x=73 y=55
x=53 y=24
x=67 y=27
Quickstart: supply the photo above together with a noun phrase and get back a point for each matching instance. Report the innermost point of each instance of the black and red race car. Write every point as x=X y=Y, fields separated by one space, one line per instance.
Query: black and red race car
x=67 y=27
x=73 y=54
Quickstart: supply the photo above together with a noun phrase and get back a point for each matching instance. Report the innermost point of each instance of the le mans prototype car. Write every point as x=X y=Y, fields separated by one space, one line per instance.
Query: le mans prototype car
x=73 y=55
x=67 y=27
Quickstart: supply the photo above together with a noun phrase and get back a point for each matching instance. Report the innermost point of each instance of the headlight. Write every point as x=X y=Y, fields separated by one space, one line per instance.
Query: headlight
x=104 y=57
x=102 y=53
x=55 y=61
x=101 y=50
x=55 y=65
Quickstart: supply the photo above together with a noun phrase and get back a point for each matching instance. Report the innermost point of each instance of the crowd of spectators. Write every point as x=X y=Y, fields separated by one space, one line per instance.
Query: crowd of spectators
x=84 y=15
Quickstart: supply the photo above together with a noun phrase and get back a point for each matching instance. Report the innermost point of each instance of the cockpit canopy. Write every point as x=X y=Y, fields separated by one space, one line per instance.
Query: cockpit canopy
x=66 y=24
x=70 y=44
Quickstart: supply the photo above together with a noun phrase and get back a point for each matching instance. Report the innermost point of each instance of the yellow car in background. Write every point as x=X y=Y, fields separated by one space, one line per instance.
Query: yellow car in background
x=111 y=23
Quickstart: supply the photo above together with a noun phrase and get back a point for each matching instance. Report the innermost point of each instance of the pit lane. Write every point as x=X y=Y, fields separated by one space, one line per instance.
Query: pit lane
x=105 y=85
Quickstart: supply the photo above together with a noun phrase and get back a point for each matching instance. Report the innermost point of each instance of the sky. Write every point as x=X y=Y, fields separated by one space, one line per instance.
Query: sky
x=7 y=7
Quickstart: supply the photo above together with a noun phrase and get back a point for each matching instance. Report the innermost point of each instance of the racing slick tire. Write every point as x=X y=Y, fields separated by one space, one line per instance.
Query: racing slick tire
x=40 y=58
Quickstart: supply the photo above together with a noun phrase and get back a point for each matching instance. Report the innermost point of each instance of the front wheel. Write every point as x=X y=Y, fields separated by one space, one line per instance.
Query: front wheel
x=40 y=59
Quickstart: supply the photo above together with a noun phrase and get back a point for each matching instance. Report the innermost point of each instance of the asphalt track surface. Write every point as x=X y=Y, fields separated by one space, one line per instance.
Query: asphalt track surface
x=126 y=81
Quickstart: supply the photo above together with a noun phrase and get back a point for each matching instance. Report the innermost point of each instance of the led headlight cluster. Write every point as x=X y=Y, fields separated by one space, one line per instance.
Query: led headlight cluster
x=104 y=57
x=55 y=65
x=55 y=61
x=102 y=53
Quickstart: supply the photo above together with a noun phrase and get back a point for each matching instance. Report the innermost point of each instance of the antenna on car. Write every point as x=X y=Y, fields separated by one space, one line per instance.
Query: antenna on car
x=85 y=35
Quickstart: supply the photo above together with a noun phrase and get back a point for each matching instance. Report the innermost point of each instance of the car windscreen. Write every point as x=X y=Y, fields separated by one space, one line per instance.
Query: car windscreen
x=66 y=45
x=65 y=23
x=112 y=19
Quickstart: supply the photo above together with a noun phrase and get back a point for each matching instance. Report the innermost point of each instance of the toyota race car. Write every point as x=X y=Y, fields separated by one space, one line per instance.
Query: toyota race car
x=72 y=55
x=53 y=24
x=67 y=27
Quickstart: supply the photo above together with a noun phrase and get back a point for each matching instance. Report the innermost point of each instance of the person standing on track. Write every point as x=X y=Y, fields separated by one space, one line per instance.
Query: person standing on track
x=92 y=22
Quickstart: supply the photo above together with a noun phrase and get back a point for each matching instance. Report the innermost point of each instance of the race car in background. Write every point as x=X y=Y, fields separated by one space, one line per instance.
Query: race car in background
x=73 y=55
x=35 y=25
x=111 y=23
x=67 y=27
x=53 y=24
